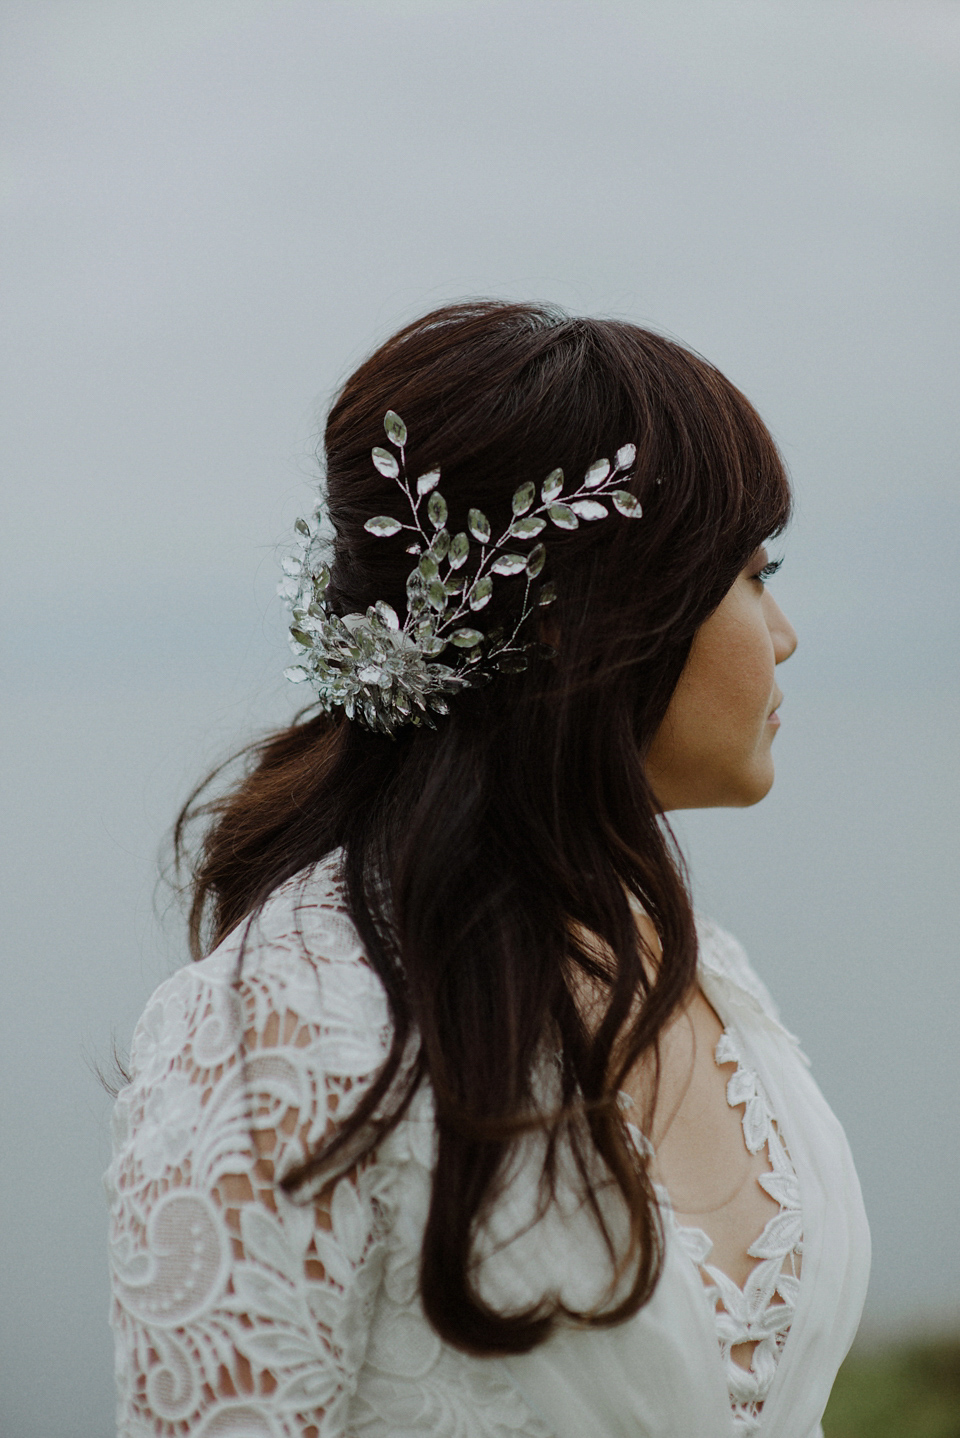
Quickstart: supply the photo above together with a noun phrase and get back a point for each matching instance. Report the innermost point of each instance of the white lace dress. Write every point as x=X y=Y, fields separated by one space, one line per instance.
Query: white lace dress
x=240 y=1313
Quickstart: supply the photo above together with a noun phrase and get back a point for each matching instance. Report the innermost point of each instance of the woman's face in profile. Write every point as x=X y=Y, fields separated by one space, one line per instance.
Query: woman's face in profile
x=714 y=745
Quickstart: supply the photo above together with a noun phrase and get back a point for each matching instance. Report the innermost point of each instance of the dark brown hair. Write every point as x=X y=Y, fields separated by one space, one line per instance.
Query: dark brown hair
x=488 y=863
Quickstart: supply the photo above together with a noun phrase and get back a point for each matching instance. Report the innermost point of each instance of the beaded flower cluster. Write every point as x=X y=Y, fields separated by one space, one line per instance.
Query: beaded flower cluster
x=387 y=674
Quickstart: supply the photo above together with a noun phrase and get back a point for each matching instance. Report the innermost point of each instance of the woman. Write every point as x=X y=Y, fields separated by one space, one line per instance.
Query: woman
x=465 y=1125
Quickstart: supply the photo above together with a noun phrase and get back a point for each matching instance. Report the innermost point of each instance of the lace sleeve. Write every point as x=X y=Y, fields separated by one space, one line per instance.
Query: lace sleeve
x=236 y=1309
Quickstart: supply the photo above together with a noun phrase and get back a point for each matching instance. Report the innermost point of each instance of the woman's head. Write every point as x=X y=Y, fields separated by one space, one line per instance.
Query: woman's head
x=498 y=394
x=490 y=863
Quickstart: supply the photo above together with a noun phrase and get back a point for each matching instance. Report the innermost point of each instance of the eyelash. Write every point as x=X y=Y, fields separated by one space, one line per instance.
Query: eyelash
x=768 y=570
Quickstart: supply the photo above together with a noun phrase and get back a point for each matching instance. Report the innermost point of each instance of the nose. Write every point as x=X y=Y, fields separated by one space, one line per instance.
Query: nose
x=782 y=632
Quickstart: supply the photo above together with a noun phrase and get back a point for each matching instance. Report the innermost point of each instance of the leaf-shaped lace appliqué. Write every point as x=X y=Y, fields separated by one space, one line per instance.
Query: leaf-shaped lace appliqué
x=761 y=1312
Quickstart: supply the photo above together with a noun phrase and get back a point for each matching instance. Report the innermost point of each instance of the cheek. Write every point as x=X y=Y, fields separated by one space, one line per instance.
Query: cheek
x=722 y=700
x=723 y=685
x=735 y=661
x=744 y=679
x=713 y=746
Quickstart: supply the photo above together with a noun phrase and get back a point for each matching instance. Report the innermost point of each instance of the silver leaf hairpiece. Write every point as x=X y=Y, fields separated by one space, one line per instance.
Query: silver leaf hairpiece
x=386 y=673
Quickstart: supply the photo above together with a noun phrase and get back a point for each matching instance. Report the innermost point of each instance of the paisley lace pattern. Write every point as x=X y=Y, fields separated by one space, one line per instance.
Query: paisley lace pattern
x=762 y=1311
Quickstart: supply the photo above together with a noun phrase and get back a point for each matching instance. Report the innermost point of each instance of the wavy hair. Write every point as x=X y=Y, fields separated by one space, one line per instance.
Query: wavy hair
x=490 y=863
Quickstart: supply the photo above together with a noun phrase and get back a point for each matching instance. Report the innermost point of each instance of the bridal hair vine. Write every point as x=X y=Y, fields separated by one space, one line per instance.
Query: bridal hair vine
x=387 y=674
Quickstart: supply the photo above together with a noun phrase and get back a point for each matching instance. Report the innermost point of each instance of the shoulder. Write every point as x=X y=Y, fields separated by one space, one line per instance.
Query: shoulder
x=286 y=1008
x=722 y=956
x=299 y=954
x=730 y=981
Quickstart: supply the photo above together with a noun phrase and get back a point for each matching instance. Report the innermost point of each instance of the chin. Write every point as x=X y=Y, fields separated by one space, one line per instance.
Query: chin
x=739 y=790
x=740 y=794
x=728 y=785
x=754 y=788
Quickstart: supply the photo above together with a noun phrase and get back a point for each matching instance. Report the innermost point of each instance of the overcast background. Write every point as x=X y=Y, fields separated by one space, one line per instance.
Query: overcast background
x=213 y=210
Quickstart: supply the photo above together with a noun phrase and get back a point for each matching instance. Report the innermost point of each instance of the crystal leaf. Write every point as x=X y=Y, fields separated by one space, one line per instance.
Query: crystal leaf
x=437 y=509
x=536 y=560
x=627 y=503
x=302 y=527
x=413 y=549
x=548 y=594
x=370 y=674
x=563 y=516
x=524 y=497
x=336 y=629
x=589 y=508
x=626 y=454
x=395 y=427
x=455 y=584
x=414 y=582
x=480 y=593
x=290 y=564
x=434 y=644
x=441 y=543
x=428 y=566
x=597 y=473
x=552 y=486
x=428 y=481
x=478 y=525
x=425 y=628
x=385 y=462
x=386 y=615
x=296 y=674
x=321 y=579
x=383 y=525
x=437 y=594
x=509 y=564
x=288 y=589
x=466 y=638
x=527 y=528
x=512 y=663
x=302 y=638
x=459 y=549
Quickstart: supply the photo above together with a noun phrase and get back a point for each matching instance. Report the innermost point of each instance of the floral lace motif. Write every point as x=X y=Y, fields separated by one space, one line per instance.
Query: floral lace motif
x=240 y=1312
x=762 y=1311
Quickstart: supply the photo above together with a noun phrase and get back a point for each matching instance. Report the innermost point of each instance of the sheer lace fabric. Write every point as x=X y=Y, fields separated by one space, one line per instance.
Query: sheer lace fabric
x=238 y=1311
x=242 y=1313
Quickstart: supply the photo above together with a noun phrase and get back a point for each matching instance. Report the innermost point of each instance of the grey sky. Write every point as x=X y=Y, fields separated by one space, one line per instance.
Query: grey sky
x=212 y=212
